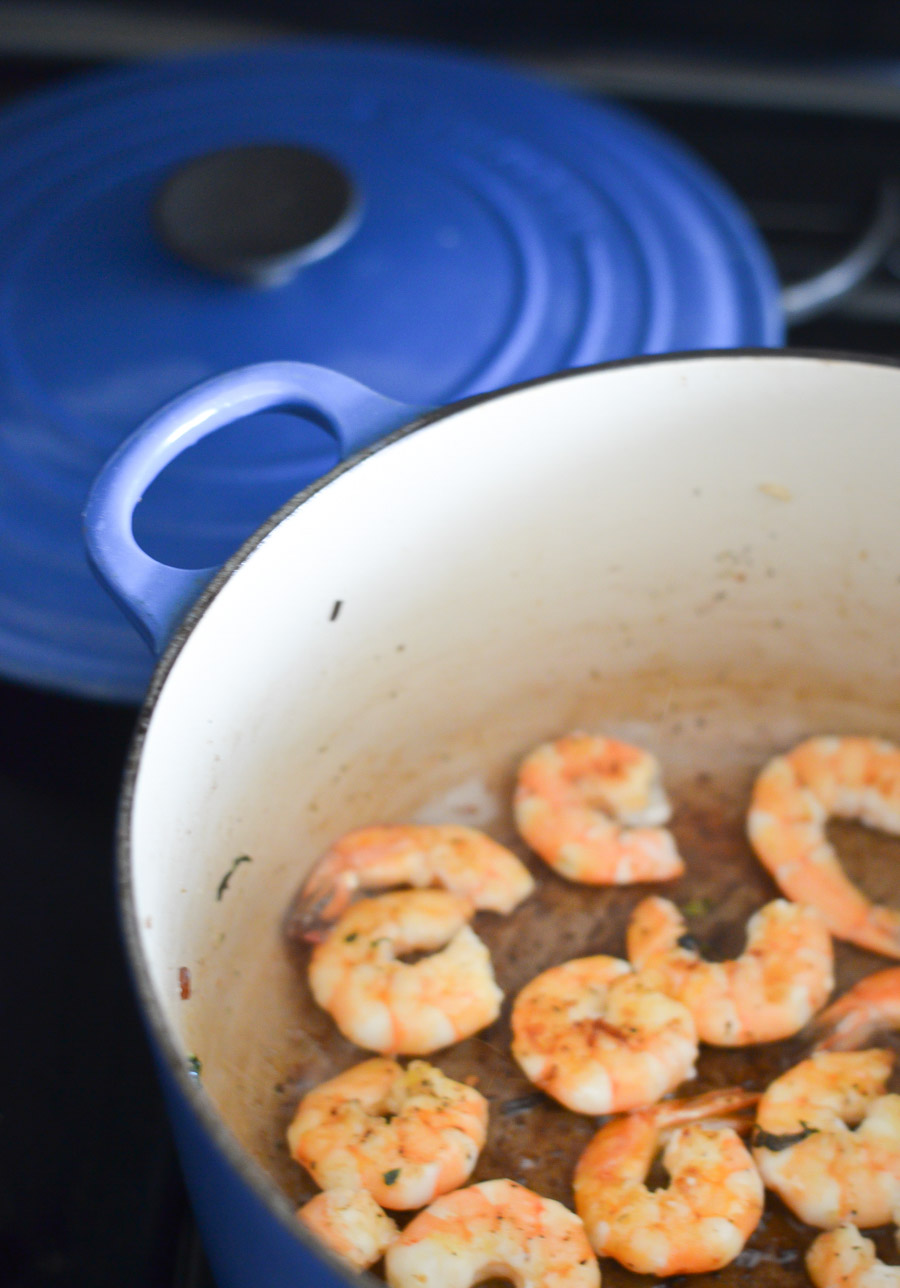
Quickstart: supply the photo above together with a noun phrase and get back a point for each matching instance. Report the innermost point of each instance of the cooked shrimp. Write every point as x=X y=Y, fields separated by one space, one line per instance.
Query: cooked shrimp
x=598 y=1038
x=868 y=1007
x=461 y=859
x=793 y=798
x=495 y=1228
x=714 y=1199
x=779 y=982
x=404 y=1135
x=351 y=1224
x=843 y=1258
x=401 y=1008
x=589 y=807
x=827 y=1173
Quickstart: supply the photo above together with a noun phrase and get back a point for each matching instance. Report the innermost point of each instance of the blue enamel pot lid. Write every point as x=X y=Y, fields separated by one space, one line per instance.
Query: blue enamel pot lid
x=493 y=229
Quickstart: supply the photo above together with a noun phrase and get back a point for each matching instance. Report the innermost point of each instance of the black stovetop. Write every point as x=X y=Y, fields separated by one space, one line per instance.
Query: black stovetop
x=91 y=1192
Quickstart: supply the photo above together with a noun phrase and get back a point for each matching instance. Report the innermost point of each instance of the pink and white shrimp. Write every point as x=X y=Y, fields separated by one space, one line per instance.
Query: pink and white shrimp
x=827 y=1139
x=771 y=991
x=405 y=1008
x=599 y=1038
x=844 y=1258
x=591 y=808
x=460 y=859
x=403 y=1135
x=351 y=1224
x=493 y=1229
x=711 y=1206
x=792 y=800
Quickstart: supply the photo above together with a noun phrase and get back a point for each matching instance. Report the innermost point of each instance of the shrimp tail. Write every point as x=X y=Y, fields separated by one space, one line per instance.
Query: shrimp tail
x=881 y=931
x=870 y=1006
x=320 y=902
x=726 y=1106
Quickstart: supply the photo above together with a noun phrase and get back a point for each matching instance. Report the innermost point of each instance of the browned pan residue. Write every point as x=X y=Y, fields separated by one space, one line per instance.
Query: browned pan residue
x=537 y=1142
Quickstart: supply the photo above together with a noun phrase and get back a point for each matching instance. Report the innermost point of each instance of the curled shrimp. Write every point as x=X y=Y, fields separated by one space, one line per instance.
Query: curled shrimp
x=792 y=800
x=843 y=1258
x=461 y=859
x=405 y=1008
x=404 y=1135
x=825 y=1171
x=711 y=1206
x=598 y=1038
x=351 y=1224
x=496 y=1228
x=871 y=1005
x=590 y=807
x=771 y=991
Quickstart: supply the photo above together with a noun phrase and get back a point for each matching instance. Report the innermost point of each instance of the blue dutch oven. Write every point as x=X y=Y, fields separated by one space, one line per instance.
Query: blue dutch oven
x=430 y=224
x=700 y=548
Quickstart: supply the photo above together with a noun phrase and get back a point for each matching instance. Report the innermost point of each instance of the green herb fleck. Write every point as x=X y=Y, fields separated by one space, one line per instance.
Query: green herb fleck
x=195 y=1066
x=390 y=1177
x=223 y=884
x=348 y=939
x=696 y=907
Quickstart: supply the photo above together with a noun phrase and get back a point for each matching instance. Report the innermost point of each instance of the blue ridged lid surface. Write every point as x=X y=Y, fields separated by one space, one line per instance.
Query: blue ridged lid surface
x=506 y=230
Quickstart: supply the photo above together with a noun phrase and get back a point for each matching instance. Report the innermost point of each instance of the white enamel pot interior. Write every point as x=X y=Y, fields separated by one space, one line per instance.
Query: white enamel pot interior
x=698 y=552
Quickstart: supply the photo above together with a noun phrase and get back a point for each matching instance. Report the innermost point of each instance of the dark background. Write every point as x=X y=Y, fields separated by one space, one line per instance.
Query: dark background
x=738 y=28
x=89 y=1189
x=770 y=27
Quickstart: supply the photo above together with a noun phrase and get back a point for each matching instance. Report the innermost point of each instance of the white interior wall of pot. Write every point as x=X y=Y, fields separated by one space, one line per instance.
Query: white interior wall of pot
x=582 y=553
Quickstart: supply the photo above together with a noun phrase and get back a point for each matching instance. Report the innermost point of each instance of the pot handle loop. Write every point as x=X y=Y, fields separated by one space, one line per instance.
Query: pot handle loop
x=154 y=595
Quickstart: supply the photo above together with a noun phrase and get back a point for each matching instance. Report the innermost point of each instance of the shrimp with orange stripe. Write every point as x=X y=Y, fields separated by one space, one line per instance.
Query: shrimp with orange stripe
x=351 y=1224
x=460 y=859
x=771 y=991
x=495 y=1228
x=794 y=796
x=844 y=1258
x=396 y=1007
x=403 y=1135
x=711 y=1206
x=827 y=1139
x=592 y=807
x=600 y=1038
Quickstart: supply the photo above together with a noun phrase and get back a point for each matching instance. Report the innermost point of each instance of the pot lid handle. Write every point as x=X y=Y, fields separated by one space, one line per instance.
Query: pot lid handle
x=154 y=595
x=256 y=213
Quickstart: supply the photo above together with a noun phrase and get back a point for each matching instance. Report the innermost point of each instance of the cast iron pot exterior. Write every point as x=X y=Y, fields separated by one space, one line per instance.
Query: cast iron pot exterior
x=726 y=515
